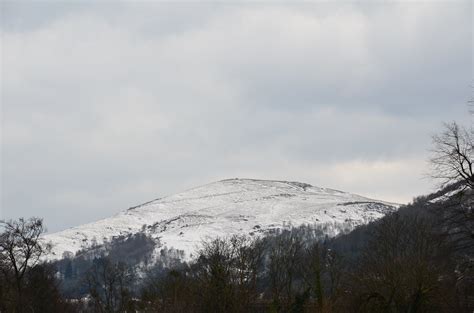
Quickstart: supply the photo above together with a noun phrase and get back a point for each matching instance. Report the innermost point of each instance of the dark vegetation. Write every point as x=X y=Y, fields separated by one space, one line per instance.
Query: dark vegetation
x=419 y=259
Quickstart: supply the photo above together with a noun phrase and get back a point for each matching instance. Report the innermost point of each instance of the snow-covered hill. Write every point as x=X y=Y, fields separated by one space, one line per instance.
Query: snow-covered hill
x=223 y=208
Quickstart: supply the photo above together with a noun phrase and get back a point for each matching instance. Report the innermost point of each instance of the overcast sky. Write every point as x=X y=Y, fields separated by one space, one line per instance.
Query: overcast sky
x=108 y=105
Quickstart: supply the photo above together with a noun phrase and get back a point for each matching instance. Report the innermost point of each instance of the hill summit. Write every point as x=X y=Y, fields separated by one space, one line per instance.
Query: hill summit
x=224 y=208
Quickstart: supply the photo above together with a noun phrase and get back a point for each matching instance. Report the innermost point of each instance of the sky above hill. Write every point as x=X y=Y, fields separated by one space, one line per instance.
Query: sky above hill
x=107 y=105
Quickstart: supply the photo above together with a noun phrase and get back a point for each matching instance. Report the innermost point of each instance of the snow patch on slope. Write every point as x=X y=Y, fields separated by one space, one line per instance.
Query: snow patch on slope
x=224 y=208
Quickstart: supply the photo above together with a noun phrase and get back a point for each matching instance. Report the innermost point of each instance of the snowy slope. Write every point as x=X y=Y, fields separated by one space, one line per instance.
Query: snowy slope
x=233 y=206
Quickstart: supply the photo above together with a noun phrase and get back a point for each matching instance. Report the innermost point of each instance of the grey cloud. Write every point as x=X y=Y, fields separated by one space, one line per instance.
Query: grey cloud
x=108 y=106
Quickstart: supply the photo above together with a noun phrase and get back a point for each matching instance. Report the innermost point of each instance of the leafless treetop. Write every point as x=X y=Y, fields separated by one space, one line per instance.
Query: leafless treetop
x=453 y=155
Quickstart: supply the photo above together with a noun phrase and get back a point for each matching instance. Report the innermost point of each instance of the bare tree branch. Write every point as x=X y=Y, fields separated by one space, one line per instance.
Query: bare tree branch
x=20 y=250
x=453 y=155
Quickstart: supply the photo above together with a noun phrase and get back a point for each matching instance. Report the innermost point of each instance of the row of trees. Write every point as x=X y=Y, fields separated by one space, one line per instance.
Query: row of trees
x=277 y=273
x=404 y=266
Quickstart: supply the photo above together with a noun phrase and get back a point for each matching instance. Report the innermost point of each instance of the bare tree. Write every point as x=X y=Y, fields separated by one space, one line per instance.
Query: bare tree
x=452 y=162
x=403 y=268
x=453 y=155
x=284 y=267
x=20 y=249
x=109 y=284
x=322 y=272
x=214 y=271
x=247 y=263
